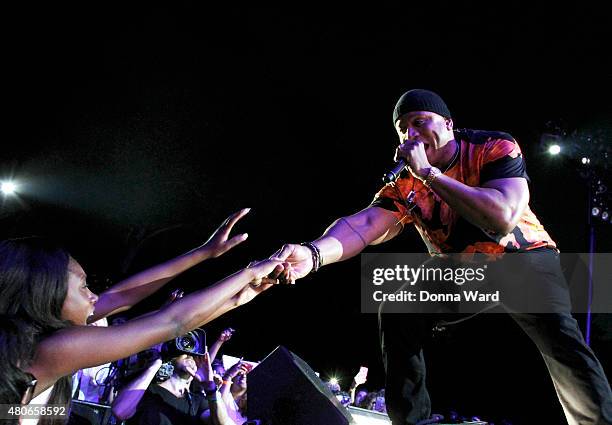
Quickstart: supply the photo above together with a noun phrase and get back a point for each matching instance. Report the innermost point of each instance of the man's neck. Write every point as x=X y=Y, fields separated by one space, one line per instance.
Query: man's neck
x=177 y=385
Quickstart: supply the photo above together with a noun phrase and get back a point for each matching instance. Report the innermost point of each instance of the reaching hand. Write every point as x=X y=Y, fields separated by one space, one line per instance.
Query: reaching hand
x=297 y=263
x=259 y=280
x=218 y=243
x=264 y=270
x=226 y=335
x=361 y=376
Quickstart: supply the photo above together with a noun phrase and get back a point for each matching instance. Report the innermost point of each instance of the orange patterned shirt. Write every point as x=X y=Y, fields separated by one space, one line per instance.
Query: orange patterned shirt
x=483 y=156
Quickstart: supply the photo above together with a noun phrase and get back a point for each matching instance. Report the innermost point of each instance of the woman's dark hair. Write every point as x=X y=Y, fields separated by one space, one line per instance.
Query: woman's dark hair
x=16 y=343
x=33 y=287
x=33 y=282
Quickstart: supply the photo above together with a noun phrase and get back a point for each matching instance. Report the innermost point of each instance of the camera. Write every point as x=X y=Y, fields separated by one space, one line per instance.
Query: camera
x=193 y=343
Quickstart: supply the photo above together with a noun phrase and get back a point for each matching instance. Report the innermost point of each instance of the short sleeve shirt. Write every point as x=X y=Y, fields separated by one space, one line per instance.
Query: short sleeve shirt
x=483 y=156
x=159 y=406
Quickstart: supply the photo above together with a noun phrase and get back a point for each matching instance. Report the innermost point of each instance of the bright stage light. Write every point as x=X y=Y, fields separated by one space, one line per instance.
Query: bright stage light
x=8 y=188
x=333 y=381
x=554 y=149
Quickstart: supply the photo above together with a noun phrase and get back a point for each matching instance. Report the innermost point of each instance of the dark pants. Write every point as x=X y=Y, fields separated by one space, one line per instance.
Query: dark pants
x=577 y=375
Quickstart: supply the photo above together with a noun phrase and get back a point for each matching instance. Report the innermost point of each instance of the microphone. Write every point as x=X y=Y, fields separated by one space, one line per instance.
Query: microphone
x=392 y=175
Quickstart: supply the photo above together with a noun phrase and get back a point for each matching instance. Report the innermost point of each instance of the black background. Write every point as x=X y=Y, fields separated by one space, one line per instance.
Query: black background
x=143 y=126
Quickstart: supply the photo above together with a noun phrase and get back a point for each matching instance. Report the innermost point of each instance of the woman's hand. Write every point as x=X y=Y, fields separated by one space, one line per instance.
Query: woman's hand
x=218 y=243
x=259 y=281
x=264 y=271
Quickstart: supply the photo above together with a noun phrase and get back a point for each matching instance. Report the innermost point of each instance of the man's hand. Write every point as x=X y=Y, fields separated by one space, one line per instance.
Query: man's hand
x=218 y=244
x=205 y=372
x=413 y=151
x=297 y=263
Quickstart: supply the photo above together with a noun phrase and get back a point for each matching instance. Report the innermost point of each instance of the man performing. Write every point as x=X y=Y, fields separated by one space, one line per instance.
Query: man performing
x=466 y=191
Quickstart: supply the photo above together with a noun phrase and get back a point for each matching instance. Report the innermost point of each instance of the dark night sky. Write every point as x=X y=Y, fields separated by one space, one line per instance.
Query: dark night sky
x=124 y=121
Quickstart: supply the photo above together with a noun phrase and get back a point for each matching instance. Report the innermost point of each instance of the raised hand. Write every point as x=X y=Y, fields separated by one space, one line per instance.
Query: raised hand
x=218 y=243
x=239 y=367
x=226 y=335
x=205 y=372
x=361 y=376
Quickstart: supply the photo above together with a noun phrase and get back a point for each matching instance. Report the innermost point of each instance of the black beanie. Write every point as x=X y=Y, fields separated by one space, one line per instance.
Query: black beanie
x=420 y=100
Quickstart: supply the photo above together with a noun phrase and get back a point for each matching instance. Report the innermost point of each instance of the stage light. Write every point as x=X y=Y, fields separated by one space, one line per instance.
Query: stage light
x=595 y=211
x=333 y=381
x=585 y=160
x=8 y=188
x=605 y=216
x=554 y=149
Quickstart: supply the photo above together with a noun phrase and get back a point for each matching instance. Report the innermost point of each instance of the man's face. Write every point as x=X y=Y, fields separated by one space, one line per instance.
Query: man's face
x=185 y=366
x=432 y=129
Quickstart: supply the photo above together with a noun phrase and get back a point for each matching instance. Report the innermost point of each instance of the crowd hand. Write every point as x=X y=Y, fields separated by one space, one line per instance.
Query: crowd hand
x=297 y=263
x=259 y=280
x=264 y=270
x=218 y=243
x=218 y=380
x=360 y=378
x=239 y=367
x=204 y=373
x=413 y=151
x=226 y=335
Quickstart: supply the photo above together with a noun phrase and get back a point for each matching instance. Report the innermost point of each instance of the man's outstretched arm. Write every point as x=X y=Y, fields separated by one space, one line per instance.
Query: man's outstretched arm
x=345 y=238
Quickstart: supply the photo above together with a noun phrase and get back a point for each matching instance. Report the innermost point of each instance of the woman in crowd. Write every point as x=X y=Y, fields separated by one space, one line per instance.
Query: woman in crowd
x=41 y=284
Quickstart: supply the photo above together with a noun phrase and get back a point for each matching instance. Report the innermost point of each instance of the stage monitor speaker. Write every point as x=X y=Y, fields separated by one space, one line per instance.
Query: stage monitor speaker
x=86 y=413
x=284 y=390
x=368 y=417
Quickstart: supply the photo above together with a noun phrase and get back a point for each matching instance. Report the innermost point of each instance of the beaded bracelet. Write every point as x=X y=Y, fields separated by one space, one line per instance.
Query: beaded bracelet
x=316 y=255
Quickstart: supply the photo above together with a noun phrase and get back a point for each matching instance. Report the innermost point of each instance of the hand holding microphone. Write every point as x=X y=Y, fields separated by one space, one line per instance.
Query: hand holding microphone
x=394 y=173
x=413 y=156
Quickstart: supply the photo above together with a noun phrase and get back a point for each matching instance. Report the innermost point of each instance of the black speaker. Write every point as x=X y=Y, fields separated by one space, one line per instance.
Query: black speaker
x=368 y=417
x=284 y=390
x=86 y=413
